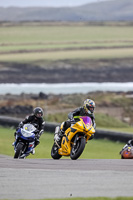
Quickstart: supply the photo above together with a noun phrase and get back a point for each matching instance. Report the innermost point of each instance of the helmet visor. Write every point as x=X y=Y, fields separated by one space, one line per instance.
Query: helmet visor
x=39 y=115
x=90 y=108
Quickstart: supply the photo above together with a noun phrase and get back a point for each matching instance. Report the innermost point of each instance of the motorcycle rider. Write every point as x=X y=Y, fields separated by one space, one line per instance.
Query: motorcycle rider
x=129 y=143
x=36 y=118
x=86 y=110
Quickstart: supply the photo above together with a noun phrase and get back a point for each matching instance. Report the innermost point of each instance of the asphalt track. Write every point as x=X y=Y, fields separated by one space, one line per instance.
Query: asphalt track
x=64 y=178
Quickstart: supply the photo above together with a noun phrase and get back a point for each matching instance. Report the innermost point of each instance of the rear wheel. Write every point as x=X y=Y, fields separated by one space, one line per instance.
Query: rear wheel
x=54 y=152
x=77 y=149
x=19 y=149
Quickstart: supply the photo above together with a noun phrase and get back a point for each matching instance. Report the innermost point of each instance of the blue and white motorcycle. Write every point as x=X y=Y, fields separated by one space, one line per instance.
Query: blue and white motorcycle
x=25 y=140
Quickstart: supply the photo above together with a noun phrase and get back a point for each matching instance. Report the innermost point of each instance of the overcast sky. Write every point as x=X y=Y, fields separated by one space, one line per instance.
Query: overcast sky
x=54 y=3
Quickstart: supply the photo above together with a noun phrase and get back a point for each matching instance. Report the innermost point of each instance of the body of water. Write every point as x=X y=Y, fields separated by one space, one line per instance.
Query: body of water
x=64 y=88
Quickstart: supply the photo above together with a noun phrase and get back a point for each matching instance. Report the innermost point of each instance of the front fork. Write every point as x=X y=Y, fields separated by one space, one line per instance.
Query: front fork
x=27 y=150
x=15 y=143
x=75 y=139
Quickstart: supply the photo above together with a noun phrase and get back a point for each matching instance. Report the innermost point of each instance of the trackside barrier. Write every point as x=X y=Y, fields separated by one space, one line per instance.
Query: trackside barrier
x=114 y=136
x=50 y=127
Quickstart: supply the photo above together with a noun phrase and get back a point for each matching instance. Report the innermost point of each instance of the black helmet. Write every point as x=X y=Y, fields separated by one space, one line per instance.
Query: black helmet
x=38 y=112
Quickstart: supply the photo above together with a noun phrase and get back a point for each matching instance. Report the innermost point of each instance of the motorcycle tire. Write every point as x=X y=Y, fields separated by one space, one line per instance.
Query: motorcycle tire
x=18 y=150
x=54 y=152
x=77 y=149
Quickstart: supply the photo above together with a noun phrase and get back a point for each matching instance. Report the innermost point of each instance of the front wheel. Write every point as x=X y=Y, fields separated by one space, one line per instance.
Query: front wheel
x=54 y=152
x=19 y=149
x=77 y=149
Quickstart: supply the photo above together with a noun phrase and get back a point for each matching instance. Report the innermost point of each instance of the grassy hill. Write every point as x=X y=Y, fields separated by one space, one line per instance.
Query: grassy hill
x=113 y=10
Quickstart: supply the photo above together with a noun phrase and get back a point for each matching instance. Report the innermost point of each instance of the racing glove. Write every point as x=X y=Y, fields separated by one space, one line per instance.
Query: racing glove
x=72 y=120
x=40 y=133
x=20 y=125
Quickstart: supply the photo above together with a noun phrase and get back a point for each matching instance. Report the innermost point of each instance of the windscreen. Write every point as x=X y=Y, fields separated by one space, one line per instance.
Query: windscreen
x=29 y=127
x=86 y=120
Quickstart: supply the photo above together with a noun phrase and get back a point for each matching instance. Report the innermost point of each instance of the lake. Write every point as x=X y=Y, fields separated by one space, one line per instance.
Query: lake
x=64 y=88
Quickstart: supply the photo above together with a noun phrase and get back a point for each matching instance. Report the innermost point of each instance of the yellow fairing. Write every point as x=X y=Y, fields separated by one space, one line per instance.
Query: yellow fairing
x=79 y=127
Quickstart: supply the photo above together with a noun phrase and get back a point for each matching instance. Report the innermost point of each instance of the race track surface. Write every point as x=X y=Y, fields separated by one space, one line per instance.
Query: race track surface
x=48 y=178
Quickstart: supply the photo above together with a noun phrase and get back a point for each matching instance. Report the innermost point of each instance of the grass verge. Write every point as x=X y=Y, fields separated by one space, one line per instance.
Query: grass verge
x=91 y=198
x=95 y=149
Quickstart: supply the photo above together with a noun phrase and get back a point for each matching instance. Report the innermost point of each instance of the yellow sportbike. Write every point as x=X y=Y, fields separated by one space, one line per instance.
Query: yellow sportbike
x=74 y=140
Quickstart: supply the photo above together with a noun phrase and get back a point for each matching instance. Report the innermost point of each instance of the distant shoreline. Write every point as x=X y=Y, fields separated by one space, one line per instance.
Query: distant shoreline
x=64 y=88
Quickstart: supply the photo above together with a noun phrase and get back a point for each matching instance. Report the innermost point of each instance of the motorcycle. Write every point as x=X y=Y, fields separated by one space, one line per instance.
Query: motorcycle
x=127 y=152
x=25 y=139
x=74 y=140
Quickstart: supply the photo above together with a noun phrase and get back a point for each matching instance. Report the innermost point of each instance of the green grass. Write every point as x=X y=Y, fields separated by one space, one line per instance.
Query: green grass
x=96 y=198
x=91 y=198
x=6 y=140
x=32 y=34
x=67 y=40
x=95 y=149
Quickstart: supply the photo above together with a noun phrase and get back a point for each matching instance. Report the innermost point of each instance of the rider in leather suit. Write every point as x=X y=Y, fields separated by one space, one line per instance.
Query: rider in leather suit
x=86 y=110
x=129 y=143
x=37 y=120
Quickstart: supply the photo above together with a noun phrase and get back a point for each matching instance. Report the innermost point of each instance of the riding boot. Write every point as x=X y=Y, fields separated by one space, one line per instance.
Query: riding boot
x=36 y=142
x=33 y=151
x=58 y=137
